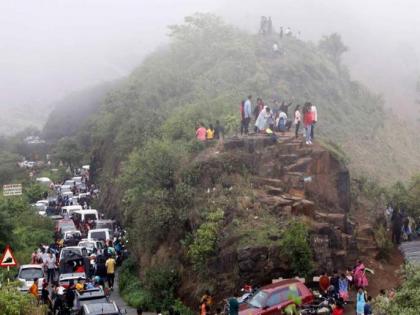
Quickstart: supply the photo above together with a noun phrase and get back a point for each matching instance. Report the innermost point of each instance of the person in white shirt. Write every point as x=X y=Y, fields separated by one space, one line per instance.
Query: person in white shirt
x=298 y=118
x=315 y=117
x=50 y=264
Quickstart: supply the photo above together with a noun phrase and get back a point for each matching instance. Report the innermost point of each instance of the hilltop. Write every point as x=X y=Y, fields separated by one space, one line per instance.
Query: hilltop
x=211 y=66
x=194 y=207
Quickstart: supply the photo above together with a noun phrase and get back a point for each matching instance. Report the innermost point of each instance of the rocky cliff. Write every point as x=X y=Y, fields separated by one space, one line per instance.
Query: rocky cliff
x=285 y=180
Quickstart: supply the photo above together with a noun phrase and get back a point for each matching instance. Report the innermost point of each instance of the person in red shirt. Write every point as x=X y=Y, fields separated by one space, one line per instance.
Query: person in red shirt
x=338 y=310
x=324 y=283
x=308 y=119
x=201 y=132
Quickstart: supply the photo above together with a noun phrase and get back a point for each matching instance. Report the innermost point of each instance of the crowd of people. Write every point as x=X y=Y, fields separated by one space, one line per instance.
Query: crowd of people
x=402 y=225
x=269 y=120
x=98 y=266
x=338 y=286
x=211 y=132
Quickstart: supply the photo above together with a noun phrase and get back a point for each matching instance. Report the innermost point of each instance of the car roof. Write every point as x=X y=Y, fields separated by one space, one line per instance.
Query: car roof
x=101 y=308
x=70 y=276
x=31 y=266
x=87 y=211
x=72 y=247
x=99 y=230
x=280 y=284
x=90 y=294
x=78 y=207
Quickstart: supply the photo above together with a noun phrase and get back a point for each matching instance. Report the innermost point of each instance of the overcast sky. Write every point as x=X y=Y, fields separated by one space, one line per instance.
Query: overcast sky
x=49 y=48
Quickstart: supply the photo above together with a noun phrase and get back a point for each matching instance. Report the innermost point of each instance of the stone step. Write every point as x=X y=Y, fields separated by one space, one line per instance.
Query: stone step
x=301 y=165
x=365 y=230
x=268 y=181
x=273 y=191
x=336 y=219
x=365 y=242
x=274 y=202
x=287 y=159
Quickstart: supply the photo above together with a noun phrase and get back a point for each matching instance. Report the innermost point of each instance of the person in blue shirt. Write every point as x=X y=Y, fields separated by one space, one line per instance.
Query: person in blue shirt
x=368 y=306
x=247 y=113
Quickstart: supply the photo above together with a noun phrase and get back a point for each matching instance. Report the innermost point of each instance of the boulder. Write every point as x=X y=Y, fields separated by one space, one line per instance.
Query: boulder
x=304 y=207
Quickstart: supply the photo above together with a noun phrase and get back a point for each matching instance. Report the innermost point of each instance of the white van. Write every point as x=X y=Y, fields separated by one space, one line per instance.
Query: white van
x=69 y=210
x=44 y=181
x=65 y=188
x=86 y=215
x=100 y=234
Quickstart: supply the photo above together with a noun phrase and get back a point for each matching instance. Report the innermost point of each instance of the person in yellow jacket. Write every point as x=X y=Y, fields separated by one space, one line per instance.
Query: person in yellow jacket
x=210 y=133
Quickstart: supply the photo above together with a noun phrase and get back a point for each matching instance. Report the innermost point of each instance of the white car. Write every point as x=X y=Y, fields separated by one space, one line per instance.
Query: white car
x=27 y=274
x=92 y=246
x=100 y=234
x=86 y=215
x=69 y=210
x=70 y=250
x=71 y=234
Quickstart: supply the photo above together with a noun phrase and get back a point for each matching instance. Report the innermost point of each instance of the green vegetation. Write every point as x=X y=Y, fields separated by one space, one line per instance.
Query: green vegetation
x=406 y=300
x=12 y=302
x=157 y=290
x=22 y=227
x=296 y=248
x=205 y=240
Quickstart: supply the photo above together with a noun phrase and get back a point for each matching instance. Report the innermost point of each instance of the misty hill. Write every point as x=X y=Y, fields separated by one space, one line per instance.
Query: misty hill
x=210 y=67
x=71 y=113
x=158 y=180
x=14 y=119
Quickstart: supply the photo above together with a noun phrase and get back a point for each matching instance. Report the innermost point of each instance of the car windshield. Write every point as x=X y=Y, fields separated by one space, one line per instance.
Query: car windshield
x=90 y=216
x=98 y=235
x=87 y=244
x=31 y=273
x=258 y=299
x=66 y=252
x=94 y=299
x=102 y=225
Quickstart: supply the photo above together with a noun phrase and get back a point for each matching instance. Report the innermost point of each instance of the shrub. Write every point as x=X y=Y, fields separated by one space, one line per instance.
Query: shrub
x=162 y=282
x=182 y=308
x=12 y=302
x=406 y=300
x=383 y=242
x=296 y=248
x=205 y=239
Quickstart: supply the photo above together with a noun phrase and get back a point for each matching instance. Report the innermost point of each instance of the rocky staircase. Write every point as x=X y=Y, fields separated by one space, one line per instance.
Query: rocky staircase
x=281 y=186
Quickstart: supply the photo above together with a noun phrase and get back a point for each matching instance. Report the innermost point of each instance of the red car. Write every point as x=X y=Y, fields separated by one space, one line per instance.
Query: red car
x=273 y=298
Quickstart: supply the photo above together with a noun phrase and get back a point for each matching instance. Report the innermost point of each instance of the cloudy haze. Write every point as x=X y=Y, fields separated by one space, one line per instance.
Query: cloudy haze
x=50 y=48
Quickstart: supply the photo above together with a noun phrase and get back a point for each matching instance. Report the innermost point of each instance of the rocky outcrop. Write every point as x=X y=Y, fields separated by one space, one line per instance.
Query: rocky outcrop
x=292 y=179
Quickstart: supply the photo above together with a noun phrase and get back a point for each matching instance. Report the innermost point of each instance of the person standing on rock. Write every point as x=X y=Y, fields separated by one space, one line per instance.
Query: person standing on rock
x=307 y=122
x=247 y=113
x=257 y=110
x=359 y=272
x=297 y=120
x=314 y=120
x=396 y=221
x=201 y=132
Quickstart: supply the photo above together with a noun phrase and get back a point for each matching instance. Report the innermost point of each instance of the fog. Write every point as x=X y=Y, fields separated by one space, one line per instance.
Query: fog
x=52 y=47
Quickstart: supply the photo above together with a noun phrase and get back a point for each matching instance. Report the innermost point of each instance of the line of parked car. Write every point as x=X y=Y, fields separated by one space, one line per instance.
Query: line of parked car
x=82 y=237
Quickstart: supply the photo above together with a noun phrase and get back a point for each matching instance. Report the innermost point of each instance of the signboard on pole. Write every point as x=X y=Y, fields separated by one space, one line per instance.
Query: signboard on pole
x=8 y=259
x=12 y=190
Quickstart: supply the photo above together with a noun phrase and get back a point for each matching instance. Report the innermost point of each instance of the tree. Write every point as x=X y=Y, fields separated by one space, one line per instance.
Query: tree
x=69 y=152
x=333 y=46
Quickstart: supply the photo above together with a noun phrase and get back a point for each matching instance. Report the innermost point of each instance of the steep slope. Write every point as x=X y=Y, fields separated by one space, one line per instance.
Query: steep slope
x=70 y=115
